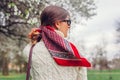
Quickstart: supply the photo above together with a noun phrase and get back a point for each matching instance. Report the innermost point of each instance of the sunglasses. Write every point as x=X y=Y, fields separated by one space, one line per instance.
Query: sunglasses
x=68 y=22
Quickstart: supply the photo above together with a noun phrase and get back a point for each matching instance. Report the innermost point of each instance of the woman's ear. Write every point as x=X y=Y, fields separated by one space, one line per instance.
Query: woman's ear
x=57 y=25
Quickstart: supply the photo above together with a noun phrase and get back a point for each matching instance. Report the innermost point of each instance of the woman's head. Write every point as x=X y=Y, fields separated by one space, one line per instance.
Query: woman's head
x=57 y=18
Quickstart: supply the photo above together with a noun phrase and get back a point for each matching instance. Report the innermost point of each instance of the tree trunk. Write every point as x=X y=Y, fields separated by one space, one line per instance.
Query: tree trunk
x=5 y=70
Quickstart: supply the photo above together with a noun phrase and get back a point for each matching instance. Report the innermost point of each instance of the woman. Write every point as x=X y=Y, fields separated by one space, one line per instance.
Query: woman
x=53 y=57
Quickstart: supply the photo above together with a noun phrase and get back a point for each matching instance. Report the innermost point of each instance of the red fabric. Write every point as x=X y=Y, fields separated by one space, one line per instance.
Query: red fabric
x=75 y=50
x=81 y=62
x=63 y=52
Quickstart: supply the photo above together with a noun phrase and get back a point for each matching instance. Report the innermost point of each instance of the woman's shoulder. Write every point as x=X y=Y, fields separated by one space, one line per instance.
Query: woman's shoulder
x=38 y=48
x=39 y=45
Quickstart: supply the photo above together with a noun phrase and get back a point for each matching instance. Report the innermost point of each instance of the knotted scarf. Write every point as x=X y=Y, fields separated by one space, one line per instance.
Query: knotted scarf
x=62 y=51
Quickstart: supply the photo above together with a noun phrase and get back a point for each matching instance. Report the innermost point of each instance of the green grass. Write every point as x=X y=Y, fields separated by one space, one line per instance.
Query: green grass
x=92 y=75
x=13 y=76
x=104 y=75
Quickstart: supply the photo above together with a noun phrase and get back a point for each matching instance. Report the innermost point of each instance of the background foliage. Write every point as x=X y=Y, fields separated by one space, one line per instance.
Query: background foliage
x=17 y=17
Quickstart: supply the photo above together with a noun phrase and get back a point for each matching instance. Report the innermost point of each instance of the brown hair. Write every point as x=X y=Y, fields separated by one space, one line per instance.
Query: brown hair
x=52 y=13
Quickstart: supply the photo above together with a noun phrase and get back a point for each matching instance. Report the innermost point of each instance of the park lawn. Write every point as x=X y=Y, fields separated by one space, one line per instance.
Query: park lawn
x=13 y=76
x=104 y=75
x=92 y=75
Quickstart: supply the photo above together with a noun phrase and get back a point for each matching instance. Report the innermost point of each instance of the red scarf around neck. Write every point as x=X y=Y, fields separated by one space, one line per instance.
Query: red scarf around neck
x=63 y=52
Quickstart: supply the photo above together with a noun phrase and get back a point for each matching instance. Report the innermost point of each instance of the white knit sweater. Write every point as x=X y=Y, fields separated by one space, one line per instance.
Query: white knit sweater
x=43 y=66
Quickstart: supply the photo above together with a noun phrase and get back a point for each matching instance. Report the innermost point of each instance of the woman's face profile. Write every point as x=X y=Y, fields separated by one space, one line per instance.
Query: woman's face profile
x=64 y=25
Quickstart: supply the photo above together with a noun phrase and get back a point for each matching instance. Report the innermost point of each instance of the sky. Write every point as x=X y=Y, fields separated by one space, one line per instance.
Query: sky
x=102 y=26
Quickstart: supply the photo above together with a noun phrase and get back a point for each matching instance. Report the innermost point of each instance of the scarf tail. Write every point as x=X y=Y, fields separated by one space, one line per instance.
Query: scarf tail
x=82 y=62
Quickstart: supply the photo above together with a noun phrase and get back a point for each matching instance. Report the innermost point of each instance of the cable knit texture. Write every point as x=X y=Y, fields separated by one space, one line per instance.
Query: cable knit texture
x=43 y=66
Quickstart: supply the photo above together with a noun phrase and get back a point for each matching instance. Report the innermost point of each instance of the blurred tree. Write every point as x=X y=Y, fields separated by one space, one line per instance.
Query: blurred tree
x=14 y=25
x=115 y=63
x=4 y=59
x=5 y=62
x=17 y=17
x=100 y=60
x=118 y=31
x=19 y=61
x=117 y=56
x=26 y=13
x=85 y=8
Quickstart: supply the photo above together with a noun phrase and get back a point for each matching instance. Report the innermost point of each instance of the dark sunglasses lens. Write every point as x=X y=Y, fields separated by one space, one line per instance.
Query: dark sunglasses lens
x=69 y=22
